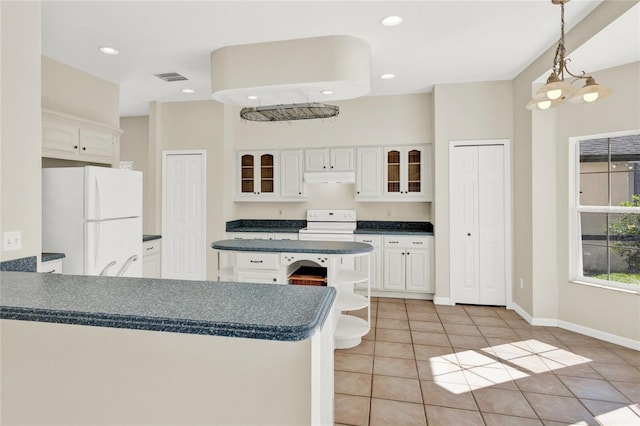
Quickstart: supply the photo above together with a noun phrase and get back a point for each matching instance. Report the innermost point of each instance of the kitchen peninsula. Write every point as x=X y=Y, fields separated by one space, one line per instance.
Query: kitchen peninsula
x=274 y=261
x=105 y=350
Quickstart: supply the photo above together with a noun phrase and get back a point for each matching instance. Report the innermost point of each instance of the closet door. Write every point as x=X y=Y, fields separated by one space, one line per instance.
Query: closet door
x=477 y=209
x=465 y=279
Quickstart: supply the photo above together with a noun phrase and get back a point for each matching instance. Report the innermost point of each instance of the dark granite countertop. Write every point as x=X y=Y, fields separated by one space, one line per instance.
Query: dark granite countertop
x=150 y=237
x=254 y=311
x=393 y=228
x=293 y=246
x=46 y=257
x=266 y=225
x=363 y=226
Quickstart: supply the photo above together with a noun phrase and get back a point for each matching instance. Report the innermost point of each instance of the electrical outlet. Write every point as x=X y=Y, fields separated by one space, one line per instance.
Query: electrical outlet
x=12 y=240
x=521 y=283
x=388 y=213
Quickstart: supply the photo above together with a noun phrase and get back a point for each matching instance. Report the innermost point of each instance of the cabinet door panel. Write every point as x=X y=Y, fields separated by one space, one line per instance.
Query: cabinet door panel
x=394 y=269
x=368 y=173
x=417 y=265
x=291 y=173
x=316 y=160
x=341 y=159
x=96 y=144
x=59 y=138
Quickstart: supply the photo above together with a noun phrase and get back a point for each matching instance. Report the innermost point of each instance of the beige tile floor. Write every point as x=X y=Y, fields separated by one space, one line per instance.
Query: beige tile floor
x=468 y=365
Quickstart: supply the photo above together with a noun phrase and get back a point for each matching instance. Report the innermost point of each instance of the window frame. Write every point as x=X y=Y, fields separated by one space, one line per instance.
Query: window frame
x=575 y=209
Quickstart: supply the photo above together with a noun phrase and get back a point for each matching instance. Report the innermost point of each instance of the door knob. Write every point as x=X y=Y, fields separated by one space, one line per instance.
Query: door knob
x=468 y=234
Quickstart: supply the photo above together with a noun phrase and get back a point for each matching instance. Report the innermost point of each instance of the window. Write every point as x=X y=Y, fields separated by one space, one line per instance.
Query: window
x=607 y=210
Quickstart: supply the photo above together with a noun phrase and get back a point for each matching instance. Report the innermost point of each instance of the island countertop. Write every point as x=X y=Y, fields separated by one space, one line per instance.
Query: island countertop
x=293 y=246
x=254 y=311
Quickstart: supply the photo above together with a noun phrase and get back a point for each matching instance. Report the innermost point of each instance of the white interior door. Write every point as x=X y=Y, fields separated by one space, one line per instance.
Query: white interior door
x=183 y=212
x=478 y=224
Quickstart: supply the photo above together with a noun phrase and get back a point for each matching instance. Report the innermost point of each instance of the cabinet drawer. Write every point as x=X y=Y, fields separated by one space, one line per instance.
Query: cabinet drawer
x=406 y=242
x=257 y=260
x=150 y=247
x=374 y=240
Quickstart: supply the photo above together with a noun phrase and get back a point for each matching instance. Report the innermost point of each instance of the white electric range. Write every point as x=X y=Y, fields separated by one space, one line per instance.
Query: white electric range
x=329 y=225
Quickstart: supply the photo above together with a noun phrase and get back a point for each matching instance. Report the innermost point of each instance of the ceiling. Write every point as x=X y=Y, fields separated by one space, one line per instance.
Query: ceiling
x=438 y=42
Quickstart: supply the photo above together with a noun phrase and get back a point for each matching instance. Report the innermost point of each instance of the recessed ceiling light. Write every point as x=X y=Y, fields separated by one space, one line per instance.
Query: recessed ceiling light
x=252 y=97
x=391 y=21
x=327 y=92
x=108 y=50
x=387 y=76
x=188 y=91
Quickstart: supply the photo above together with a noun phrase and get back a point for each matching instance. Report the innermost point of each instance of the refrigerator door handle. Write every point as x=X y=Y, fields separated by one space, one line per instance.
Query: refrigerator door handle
x=109 y=265
x=126 y=264
x=98 y=198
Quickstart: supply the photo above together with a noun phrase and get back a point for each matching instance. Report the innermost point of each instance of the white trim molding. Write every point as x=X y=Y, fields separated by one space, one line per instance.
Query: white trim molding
x=442 y=301
x=566 y=325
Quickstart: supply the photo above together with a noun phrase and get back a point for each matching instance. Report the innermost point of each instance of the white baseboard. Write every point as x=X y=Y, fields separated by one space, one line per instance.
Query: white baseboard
x=442 y=300
x=591 y=332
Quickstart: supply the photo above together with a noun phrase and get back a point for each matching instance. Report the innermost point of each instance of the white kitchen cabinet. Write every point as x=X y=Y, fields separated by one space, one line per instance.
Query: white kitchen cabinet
x=368 y=173
x=151 y=259
x=371 y=264
x=329 y=159
x=291 y=174
x=408 y=264
x=407 y=173
x=70 y=138
x=257 y=176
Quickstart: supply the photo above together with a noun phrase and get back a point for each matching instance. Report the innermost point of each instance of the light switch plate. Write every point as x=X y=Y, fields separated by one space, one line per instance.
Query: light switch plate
x=12 y=240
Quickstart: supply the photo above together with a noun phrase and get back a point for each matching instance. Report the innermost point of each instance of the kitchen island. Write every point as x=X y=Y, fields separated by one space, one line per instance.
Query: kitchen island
x=275 y=261
x=104 y=350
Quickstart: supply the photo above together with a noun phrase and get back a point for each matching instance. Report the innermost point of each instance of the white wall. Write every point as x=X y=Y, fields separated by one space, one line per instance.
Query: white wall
x=20 y=125
x=463 y=112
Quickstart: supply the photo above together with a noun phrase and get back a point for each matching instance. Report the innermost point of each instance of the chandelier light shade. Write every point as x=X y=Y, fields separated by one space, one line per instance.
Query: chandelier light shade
x=557 y=91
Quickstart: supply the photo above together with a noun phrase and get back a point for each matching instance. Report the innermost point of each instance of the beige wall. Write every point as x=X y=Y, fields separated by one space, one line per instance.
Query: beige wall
x=540 y=191
x=20 y=125
x=463 y=112
x=605 y=310
x=134 y=146
x=378 y=120
x=72 y=91
x=195 y=126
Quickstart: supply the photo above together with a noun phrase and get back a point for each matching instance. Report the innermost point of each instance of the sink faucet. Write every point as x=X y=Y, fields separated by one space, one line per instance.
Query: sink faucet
x=126 y=264
x=109 y=265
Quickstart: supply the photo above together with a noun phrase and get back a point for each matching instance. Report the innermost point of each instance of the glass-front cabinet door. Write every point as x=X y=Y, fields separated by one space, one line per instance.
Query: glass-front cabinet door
x=257 y=174
x=405 y=176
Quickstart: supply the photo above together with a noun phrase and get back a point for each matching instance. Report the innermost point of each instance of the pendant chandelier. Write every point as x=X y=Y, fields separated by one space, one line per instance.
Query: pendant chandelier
x=557 y=91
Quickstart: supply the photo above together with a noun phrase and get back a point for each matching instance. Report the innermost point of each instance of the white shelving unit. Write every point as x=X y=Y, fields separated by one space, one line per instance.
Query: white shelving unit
x=349 y=328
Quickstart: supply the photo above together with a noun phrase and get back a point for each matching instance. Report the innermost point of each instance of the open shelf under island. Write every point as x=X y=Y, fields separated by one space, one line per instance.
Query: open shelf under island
x=275 y=261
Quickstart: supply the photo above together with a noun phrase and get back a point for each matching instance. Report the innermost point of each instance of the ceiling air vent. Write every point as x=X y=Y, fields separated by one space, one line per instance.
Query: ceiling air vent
x=171 y=76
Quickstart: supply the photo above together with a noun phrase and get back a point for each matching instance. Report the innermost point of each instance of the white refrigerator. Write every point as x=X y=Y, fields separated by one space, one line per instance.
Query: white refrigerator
x=94 y=216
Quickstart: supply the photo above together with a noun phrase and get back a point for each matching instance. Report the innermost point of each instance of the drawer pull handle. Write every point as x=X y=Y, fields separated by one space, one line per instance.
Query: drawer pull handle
x=417 y=242
x=50 y=272
x=367 y=241
x=255 y=261
x=150 y=248
x=393 y=242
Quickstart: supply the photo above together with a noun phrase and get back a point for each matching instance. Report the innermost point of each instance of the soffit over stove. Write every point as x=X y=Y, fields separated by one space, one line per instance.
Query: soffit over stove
x=301 y=71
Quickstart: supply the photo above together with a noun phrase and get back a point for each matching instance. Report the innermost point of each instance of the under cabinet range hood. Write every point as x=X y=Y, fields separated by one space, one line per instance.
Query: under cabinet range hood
x=329 y=177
